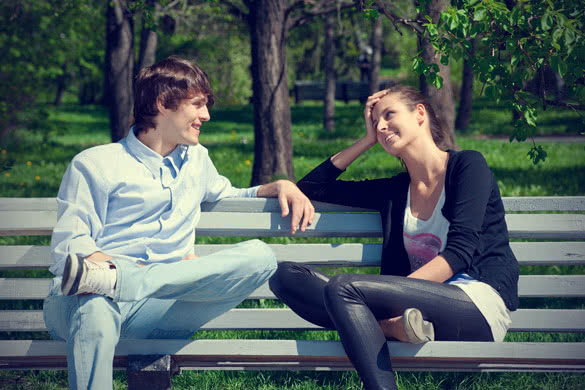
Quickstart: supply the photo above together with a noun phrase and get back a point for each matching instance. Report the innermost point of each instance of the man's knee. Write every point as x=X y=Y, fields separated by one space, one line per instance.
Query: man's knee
x=97 y=318
x=261 y=255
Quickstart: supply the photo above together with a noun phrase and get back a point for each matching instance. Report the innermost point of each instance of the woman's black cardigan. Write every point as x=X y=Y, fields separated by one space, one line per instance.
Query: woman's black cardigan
x=477 y=241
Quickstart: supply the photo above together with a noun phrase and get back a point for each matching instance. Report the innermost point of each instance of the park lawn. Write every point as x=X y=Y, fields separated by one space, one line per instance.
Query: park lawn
x=32 y=165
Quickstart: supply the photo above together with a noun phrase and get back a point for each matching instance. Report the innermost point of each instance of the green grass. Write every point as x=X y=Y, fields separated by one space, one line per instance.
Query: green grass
x=30 y=167
x=33 y=162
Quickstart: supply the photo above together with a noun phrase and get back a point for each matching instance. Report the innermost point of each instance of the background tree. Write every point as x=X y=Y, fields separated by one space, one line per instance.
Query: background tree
x=269 y=23
x=330 y=76
x=148 y=35
x=119 y=74
x=437 y=88
x=377 y=44
x=466 y=92
x=434 y=71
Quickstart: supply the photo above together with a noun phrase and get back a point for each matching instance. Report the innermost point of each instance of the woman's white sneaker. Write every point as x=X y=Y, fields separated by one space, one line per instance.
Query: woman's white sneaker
x=417 y=330
x=82 y=276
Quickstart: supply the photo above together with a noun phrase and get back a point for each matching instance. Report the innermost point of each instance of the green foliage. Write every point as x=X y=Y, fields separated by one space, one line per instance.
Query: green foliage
x=42 y=43
x=305 y=46
x=218 y=41
x=514 y=46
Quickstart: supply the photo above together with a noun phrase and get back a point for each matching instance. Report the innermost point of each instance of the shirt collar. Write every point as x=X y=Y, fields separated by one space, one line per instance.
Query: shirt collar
x=151 y=159
x=177 y=156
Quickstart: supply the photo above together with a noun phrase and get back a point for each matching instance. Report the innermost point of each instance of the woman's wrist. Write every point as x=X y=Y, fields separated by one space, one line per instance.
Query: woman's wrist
x=348 y=155
x=370 y=141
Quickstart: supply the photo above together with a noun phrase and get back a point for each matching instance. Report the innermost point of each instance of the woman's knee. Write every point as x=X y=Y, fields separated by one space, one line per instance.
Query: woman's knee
x=342 y=288
x=282 y=276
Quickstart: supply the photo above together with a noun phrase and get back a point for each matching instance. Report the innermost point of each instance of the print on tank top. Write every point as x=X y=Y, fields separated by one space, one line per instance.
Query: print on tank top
x=421 y=248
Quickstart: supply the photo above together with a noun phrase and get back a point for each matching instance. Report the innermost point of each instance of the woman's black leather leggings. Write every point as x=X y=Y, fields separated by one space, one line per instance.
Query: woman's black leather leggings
x=353 y=303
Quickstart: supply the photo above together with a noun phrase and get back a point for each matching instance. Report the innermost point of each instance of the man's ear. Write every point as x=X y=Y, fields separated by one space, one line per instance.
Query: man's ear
x=160 y=107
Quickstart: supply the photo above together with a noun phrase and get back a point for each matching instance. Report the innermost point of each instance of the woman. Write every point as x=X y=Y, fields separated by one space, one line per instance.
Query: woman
x=447 y=270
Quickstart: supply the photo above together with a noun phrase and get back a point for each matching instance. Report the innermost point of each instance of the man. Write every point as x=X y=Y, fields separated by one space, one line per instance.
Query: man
x=123 y=243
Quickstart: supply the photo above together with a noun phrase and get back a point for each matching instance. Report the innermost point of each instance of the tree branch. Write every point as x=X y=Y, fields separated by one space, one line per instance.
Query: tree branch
x=414 y=25
x=573 y=106
x=318 y=8
x=235 y=10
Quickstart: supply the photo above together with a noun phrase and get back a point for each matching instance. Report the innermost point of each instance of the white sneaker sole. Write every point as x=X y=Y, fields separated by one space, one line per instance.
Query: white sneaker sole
x=416 y=328
x=71 y=275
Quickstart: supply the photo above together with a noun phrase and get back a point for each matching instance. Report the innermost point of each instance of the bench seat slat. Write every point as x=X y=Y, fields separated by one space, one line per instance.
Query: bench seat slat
x=523 y=320
x=305 y=354
x=225 y=224
x=528 y=253
x=511 y=204
x=529 y=286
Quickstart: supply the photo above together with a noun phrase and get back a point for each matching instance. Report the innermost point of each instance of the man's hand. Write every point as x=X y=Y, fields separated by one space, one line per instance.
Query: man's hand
x=290 y=195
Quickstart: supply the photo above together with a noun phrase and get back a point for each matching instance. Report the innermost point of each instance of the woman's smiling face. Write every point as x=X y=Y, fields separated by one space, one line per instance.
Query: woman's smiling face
x=396 y=125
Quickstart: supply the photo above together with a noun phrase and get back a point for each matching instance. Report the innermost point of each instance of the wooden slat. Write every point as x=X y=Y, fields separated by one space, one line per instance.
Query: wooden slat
x=304 y=354
x=36 y=257
x=523 y=320
x=511 y=204
x=529 y=286
x=546 y=226
x=527 y=253
x=541 y=226
x=544 y=203
x=549 y=253
x=221 y=224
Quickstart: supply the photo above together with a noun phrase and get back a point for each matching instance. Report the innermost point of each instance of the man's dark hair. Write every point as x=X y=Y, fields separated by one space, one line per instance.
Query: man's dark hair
x=169 y=81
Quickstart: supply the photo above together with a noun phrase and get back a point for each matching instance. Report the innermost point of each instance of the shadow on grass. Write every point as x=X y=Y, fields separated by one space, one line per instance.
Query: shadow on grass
x=89 y=109
x=243 y=114
x=89 y=129
x=566 y=181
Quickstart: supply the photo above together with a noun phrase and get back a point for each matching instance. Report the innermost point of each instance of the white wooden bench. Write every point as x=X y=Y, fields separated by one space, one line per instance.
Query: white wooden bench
x=557 y=238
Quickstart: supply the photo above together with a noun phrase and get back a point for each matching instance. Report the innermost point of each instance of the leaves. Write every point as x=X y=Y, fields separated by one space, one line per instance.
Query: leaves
x=516 y=44
x=537 y=154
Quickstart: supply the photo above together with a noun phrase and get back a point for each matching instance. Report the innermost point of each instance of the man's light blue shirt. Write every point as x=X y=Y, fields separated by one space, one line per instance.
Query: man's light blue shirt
x=128 y=201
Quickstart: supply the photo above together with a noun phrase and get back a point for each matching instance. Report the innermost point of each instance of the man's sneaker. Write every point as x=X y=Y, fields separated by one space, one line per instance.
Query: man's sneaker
x=418 y=330
x=88 y=277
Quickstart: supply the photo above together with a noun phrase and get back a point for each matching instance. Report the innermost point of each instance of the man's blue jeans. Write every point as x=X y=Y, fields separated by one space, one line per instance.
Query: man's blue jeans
x=168 y=301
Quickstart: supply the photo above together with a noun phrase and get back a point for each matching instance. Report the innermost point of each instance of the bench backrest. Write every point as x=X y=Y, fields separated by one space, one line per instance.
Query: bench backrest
x=555 y=239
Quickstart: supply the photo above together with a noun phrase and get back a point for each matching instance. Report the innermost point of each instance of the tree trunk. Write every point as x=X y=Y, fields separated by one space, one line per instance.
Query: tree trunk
x=148 y=41
x=119 y=95
x=377 y=34
x=441 y=99
x=466 y=99
x=272 y=118
x=329 y=57
x=61 y=86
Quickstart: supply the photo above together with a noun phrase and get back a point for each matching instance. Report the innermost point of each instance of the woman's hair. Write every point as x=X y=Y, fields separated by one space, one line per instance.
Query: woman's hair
x=169 y=81
x=411 y=97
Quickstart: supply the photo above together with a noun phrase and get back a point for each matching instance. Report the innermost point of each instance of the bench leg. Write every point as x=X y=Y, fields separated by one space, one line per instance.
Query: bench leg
x=150 y=372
